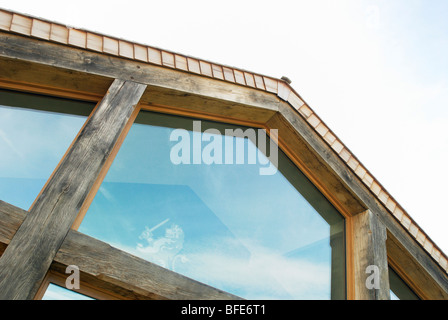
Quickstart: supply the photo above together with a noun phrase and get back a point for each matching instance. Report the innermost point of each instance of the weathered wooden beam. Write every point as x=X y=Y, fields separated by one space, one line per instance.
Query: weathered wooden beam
x=27 y=76
x=111 y=270
x=370 y=258
x=317 y=160
x=346 y=188
x=122 y=274
x=28 y=256
x=414 y=273
x=165 y=86
x=11 y=218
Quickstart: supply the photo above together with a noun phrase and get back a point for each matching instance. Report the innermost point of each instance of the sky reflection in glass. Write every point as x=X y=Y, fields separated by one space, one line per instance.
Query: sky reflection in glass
x=252 y=235
x=35 y=132
x=55 y=292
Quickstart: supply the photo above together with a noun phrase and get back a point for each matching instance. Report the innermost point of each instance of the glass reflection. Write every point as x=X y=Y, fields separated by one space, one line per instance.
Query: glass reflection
x=35 y=132
x=399 y=290
x=55 y=292
x=256 y=236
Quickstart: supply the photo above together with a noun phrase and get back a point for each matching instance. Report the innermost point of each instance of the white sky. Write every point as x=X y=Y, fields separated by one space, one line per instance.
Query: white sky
x=375 y=71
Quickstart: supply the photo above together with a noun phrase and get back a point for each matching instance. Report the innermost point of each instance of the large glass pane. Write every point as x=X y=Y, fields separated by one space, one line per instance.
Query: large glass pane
x=55 y=292
x=257 y=234
x=399 y=290
x=35 y=132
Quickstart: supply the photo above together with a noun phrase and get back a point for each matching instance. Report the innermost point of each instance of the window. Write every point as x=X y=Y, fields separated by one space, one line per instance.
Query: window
x=55 y=292
x=399 y=290
x=35 y=132
x=259 y=236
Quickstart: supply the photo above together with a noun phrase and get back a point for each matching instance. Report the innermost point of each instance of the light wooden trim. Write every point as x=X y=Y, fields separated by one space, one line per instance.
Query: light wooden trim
x=48 y=90
x=84 y=288
x=350 y=258
x=343 y=210
x=43 y=288
x=417 y=273
x=402 y=274
x=184 y=112
x=314 y=159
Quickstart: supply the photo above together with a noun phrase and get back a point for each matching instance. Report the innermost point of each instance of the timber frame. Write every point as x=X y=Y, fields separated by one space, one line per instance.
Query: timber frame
x=378 y=231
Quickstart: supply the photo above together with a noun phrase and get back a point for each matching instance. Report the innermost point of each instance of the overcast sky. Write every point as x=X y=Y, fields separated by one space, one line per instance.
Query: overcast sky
x=375 y=71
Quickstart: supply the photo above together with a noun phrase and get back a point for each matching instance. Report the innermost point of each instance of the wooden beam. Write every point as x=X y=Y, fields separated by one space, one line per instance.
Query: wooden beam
x=27 y=76
x=414 y=273
x=342 y=186
x=322 y=166
x=370 y=258
x=109 y=272
x=11 y=218
x=166 y=86
x=409 y=247
x=122 y=274
x=28 y=256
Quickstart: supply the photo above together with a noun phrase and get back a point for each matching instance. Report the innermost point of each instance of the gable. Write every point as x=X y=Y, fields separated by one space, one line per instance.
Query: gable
x=177 y=83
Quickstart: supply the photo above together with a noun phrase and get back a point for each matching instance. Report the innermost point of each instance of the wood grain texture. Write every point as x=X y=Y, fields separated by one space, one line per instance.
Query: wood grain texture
x=32 y=77
x=125 y=275
x=11 y=217
x=352 y=193
x=170 y=89
x=27 y=258
x=302 y=144
x=414 y=274
x=369 y=239
x=36 y=27
x=69 y=58
x=410 y=248
x=105 y=269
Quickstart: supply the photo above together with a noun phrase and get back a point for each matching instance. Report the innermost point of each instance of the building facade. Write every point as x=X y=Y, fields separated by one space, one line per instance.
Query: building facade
x=132 y=172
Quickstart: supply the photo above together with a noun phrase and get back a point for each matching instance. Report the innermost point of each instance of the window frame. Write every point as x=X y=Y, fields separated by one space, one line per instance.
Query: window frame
x=69 y=94
x=199 y=116
x=204 y=116
x=94 y=97
x=56 y=93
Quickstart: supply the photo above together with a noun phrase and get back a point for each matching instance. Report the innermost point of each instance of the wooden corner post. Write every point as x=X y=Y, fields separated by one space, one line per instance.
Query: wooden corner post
x=27 y=258
x=371 y=275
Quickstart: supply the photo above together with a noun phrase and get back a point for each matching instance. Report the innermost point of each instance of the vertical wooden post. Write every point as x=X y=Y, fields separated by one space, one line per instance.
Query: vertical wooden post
x=370 y=257
x=27 y=258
